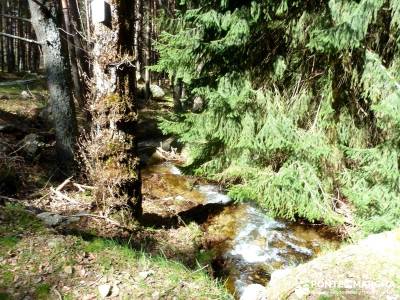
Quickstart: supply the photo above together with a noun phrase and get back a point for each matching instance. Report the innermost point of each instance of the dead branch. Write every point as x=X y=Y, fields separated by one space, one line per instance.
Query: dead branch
x=61 y=196
x=62 y=185
x=11 y=36
x=15 y=17
x=83 y=187
x=98 y=217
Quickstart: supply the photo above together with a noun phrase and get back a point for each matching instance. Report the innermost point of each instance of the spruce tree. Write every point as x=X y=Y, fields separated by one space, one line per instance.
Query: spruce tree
x=301 y=104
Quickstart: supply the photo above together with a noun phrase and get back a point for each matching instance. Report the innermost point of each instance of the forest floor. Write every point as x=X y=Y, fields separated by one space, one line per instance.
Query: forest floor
x=54 y=246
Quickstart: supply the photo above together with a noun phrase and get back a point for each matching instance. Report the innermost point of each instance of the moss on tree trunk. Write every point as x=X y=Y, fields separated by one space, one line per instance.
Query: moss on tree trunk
x=113 y=162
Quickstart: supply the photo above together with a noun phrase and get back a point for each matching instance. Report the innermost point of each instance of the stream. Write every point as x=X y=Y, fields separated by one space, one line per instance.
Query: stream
x=246 y=244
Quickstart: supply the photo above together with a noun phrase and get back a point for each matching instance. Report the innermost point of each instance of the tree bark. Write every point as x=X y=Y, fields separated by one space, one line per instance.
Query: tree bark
x=114 y=164
x=56 y=65
x=177 y=95
x=2 y=26
x=147 y=57
x=10 y=42
x=72 y=55
x=138 y=38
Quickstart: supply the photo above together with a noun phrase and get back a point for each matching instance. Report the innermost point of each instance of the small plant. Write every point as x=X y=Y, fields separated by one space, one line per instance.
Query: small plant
x=42 y=291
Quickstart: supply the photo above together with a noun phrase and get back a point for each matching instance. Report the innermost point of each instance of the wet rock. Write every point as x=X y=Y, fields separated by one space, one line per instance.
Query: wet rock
x=254 y=292
x=156 y=92
x=50 y=219
x=32 y=144
x=213 y=195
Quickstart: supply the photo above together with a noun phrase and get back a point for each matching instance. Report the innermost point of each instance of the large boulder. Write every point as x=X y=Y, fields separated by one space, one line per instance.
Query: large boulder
x=156 y=92
x=369 y=269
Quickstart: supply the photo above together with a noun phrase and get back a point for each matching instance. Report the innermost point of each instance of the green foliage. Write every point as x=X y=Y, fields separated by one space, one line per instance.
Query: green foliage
x=302 y=103
x=43 y=291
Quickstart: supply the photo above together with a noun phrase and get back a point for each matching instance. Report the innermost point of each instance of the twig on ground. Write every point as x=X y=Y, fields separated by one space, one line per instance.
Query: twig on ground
x=83 y=187
x=98 y=217
x=62 y=185
x=60 y=195
x=58 y=293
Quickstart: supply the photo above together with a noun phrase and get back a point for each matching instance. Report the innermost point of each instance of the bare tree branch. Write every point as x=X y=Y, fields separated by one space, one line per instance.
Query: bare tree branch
x=20 y=38
x=15 y=17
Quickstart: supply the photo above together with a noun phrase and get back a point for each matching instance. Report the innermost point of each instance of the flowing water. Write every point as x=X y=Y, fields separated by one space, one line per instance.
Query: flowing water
x=247 y=244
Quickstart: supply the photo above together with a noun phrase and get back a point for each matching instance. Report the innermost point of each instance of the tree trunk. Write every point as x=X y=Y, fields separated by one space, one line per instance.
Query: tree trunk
x=10 y=42
x=56 y=65
x=177 y=95
x=77 y=29
x=72 y=55
x=114 y=164
x=138 y=38
x=147 y=56
x=2 y=26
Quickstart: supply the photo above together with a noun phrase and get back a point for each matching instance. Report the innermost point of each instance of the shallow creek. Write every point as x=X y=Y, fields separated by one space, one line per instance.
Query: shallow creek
x=246 y=244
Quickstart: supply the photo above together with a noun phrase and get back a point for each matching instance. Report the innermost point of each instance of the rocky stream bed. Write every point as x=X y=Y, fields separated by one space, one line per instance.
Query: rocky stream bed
x=246 y=245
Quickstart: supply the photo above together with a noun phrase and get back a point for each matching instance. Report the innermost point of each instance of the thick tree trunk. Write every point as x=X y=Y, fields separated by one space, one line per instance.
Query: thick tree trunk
x=115 y=165
x=56 y=65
